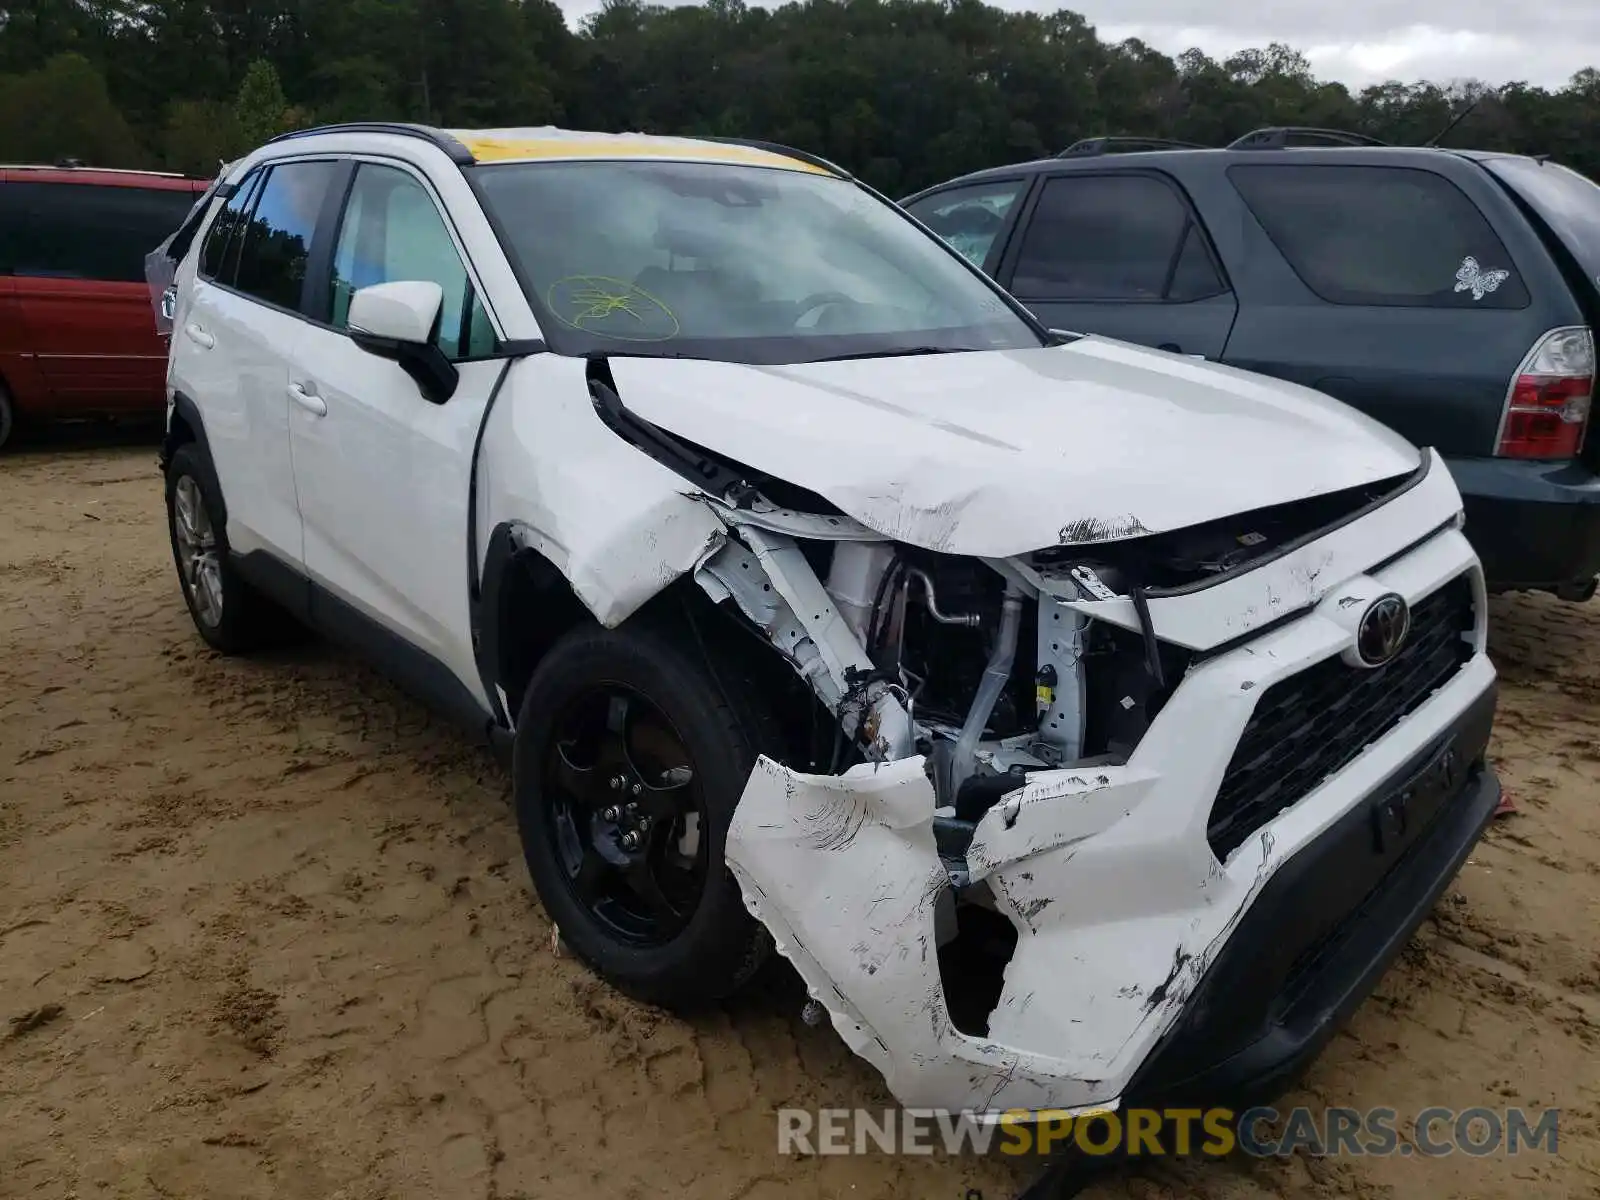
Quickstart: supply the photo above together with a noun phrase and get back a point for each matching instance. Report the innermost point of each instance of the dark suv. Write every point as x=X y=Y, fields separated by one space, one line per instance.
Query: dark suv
x=1450 y=294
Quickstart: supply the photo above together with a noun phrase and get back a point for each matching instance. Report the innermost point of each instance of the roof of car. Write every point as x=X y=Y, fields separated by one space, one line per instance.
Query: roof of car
x=103 y=176
x=544 y=143
x=548 y=142
x=1135 y=158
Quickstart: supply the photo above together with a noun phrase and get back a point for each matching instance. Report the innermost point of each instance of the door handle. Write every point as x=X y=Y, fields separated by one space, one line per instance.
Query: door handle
x=199 y=336
x=310 y=401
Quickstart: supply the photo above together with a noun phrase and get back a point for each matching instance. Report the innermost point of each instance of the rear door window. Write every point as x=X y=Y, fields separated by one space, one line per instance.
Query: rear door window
x=970 y=218
x=85 y=231
x=1381 y=236
x=1569 y=203
x=275 y=241
x=1113 y=237
x=218 y=253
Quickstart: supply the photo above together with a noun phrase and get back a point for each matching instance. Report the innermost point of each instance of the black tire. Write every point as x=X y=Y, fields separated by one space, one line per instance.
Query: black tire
x=8 y=417
x=247 y=620
x=719 y=945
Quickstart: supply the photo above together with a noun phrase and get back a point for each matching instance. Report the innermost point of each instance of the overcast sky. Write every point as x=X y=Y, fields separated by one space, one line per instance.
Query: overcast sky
x=1359 y=41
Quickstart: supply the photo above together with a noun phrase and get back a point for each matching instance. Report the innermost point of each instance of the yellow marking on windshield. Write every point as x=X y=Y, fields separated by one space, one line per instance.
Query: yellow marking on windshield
x=487 y=149
x=578 y=300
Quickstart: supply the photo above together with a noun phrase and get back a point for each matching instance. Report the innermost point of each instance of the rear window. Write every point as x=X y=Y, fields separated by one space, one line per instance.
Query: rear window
x=1569 y=203
x=1381 y=236
x=85 y=231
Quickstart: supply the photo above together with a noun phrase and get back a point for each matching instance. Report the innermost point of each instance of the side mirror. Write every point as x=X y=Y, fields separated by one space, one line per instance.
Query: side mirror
x=396 y=321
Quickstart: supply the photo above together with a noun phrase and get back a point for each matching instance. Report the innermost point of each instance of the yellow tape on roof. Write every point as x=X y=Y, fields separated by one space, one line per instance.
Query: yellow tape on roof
x=486 y=149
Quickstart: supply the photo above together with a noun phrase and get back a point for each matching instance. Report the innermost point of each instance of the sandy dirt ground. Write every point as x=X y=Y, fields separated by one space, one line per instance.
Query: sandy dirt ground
x=265 y=931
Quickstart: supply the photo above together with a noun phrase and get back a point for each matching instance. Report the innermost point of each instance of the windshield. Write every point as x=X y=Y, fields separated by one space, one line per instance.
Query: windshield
x=739 y=263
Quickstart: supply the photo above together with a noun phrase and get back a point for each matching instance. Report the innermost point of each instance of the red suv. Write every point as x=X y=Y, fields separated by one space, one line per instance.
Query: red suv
x=77 y=335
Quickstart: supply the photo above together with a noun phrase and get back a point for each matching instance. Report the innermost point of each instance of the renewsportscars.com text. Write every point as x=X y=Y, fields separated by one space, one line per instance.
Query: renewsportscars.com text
x=1260 y=1132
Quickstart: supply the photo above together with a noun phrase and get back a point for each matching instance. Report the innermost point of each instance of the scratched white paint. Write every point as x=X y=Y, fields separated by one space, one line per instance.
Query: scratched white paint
x=997 y=454
x=616 y=523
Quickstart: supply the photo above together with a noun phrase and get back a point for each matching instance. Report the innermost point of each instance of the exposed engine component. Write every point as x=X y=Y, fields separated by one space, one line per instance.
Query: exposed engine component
x=994 y=674
x=930 y=599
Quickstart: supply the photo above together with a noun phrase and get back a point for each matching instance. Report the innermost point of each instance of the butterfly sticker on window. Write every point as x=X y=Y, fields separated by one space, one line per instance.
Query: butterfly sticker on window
x=1471 y=277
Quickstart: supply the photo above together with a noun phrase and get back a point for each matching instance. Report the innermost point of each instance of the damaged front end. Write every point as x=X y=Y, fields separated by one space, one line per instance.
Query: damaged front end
x=1046 y=803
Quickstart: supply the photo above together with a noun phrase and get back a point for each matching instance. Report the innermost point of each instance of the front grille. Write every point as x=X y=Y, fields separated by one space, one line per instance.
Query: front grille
x=1311 y=725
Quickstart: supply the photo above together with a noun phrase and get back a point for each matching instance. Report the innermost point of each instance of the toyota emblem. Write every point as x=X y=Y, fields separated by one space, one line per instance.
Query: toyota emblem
x=1382 y=630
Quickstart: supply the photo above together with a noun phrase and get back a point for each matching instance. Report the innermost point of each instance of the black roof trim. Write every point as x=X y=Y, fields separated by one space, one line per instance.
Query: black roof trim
x=458 y=153
x=1276 y=137
x=1088 y=147
x=804 y=156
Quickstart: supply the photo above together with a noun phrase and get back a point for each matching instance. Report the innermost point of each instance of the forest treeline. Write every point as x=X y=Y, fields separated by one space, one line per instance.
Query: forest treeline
x=904 y=92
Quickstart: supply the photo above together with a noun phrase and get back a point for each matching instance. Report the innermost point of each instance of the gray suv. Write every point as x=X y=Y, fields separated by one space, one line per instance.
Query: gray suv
x=1450 y=294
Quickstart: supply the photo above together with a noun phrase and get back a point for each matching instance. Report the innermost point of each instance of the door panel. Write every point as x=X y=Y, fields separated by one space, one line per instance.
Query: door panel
x=235 y=340
x=19 y=371
x=383 y=474
x=233 y=356
x=383 y=477
x=95 y=343
x=1121 y=254
x=1200 y=327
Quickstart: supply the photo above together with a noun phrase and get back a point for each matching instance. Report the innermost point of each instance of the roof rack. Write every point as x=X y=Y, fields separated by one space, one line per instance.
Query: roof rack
x=1276 y=137
x=1088 y=147
x=458 y=153
x=804 y=156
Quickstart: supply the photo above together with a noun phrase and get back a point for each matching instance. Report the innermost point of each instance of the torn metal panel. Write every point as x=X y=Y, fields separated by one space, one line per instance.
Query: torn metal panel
x=980 y=453
x=1104 y=871
x=810 y=631
x=844 y=872
x=1233 y=608
x=613 y=521
x=820 y=527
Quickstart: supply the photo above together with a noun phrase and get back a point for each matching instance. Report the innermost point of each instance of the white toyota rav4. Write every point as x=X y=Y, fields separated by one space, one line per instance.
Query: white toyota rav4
x=1084 y=723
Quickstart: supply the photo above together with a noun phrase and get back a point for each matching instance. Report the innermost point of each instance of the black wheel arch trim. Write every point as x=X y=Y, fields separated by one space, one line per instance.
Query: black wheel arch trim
x=189 y=411
x=511 y=543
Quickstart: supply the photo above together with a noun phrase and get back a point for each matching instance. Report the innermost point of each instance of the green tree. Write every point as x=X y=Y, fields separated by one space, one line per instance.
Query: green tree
x=64 y=110
x=904 y=92
x=260 y=109
x=200 y=135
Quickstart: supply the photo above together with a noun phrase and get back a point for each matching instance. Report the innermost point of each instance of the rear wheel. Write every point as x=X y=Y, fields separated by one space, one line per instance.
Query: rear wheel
x=230 y=615
x=8 y=417
x=629 y=762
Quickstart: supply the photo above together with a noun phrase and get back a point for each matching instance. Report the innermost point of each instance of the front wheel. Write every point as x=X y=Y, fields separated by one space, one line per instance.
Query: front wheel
x=8 y=417
x=629 y=762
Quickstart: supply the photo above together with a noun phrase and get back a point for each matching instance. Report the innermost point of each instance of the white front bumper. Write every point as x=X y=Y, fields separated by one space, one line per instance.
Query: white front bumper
x=1119 y=903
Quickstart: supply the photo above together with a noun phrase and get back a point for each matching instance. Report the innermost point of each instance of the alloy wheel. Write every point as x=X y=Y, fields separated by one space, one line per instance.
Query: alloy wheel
x=198 y=555
x=626 y=815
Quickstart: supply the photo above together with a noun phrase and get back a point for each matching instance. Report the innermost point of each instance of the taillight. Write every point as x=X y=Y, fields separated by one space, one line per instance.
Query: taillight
x=1548 y=408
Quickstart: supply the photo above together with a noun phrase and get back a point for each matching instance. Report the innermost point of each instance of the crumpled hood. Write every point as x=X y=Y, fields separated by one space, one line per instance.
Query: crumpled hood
x=1000 y=453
